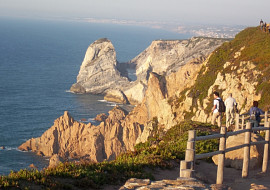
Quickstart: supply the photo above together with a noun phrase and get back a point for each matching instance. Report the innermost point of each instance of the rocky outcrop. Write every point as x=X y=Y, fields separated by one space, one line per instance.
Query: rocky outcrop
x=98 y=71
x=71 y=139
x=101 y=117
x=234 y=158
x=114 y=95
x=55 y=160
x=166 y=56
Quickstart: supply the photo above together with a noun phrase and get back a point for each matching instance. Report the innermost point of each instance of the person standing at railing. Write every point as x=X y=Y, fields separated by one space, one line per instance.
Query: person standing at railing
x=255 y=113
x=231 y=107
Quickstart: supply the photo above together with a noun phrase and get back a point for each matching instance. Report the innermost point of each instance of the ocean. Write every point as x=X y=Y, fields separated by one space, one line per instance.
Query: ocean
x=39 y=61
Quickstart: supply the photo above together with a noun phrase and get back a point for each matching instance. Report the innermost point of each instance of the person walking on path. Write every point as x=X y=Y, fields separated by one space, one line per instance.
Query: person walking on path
x=255 y=113
x=230 y=104
x=216 y=114
x=261 y=24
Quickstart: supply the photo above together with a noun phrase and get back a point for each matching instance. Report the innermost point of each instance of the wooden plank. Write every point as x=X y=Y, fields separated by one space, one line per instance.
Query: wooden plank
x=215 y=136
x=236 y=132
x=258 y=142
x=235 y=148
x=260 y=128
x=207 y=155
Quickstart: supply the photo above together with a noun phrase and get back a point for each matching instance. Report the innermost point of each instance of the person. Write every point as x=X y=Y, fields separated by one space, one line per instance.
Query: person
x=261 y=24
x=255 y=113
x=264 y=26
x=231 y=107
x=216 y=114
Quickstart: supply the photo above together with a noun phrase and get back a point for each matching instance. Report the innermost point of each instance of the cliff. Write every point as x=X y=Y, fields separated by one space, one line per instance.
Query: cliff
x=164 y=57
x=167 y=56
x=99 y=72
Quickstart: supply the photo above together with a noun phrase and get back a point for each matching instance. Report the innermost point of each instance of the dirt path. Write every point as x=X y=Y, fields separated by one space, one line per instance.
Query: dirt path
x=232 y=177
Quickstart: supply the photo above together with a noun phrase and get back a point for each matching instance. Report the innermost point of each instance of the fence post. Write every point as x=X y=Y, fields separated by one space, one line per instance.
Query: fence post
x=237 y=122
x=221 y=157
x=266 y=147
x=243 y=121
x=265 y=117
x=187 y=166
x=246 y=157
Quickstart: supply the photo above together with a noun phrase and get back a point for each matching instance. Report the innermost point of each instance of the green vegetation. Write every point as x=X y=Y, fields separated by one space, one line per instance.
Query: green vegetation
x=160 y=149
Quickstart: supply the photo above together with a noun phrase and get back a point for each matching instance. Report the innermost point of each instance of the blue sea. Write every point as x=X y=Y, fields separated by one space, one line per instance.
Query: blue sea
x=39 y=61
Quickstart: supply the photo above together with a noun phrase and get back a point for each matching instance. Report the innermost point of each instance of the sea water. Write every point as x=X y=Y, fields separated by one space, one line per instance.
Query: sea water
x=39 y=61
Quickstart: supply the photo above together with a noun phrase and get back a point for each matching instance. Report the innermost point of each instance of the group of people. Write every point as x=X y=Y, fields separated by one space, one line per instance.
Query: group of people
x=264 y=27
x=229 y=106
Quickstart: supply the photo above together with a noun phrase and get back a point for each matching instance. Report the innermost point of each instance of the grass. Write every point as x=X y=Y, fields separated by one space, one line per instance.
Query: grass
x=160 y=149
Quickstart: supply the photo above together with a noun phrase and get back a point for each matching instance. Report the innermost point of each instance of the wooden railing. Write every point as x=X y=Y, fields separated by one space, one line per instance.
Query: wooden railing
x=187 y=166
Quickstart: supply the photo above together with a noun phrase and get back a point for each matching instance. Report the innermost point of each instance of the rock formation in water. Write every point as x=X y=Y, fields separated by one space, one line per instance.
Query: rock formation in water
x=98 y=71
x=71 y=139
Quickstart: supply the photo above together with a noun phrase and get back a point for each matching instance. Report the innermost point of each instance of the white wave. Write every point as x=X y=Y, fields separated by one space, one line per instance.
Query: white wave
x=102 y=100
x=68 y=91
x=111 y=105
x=8 y=148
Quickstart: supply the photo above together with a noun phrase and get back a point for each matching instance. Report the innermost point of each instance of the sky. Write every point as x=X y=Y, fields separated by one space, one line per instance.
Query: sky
x=222 y=12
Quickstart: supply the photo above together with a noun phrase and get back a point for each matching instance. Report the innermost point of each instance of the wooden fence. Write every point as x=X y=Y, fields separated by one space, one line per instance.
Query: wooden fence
x=242 y=125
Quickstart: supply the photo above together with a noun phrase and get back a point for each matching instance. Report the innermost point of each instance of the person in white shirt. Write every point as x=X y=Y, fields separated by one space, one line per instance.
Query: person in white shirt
x=216 y=114
x=230 y=104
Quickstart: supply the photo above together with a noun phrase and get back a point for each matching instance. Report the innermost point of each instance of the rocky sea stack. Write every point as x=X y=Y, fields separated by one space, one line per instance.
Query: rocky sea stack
x=98 y=71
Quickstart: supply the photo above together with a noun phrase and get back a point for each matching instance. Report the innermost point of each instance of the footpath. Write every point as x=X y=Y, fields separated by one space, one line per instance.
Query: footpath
x=205 y=178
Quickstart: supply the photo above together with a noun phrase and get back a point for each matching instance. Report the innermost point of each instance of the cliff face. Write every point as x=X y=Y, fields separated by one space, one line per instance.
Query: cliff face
x=98 y=71
x=166 y=56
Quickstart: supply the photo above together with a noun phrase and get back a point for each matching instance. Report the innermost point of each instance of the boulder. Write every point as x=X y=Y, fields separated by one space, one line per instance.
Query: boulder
x=234 y=158
x=77 y=88
x=115 y=95
x=32 y=166
x=101 y=117
x=55 y=160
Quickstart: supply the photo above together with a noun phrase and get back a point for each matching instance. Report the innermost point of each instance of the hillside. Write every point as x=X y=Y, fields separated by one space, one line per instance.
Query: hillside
x=240 y=66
